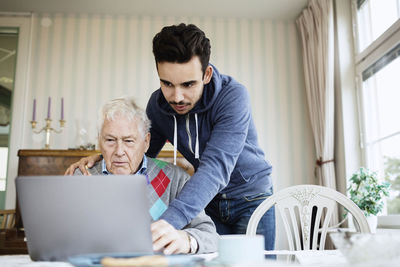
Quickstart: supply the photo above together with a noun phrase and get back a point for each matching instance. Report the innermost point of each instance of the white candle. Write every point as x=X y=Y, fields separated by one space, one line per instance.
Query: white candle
x=62 y=108
x=34 y=110
x=48 y=108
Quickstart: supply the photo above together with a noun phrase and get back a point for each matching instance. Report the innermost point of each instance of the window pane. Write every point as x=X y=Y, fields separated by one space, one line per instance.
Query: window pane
x=384 y=158
x=381 y=96
x=379 y=152
x=392 y=175
x=381 y=106
x=3 y=167
x=374 y=17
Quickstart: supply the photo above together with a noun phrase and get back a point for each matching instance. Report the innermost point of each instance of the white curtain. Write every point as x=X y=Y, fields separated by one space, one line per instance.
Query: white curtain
x=317 y=35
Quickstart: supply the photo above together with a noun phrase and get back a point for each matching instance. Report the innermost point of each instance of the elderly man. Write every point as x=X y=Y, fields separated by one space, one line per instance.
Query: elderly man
x=124 y=137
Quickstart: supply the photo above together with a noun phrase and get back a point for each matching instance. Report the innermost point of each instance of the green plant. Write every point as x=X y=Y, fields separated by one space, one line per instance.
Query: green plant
x=367 y=191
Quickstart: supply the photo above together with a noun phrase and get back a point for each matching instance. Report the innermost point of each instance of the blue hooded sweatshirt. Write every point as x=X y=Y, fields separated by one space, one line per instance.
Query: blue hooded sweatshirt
x=218 y=137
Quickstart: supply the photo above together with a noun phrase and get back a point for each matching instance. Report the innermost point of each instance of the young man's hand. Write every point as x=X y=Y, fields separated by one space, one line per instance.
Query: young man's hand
x=169 y=240
x=83 y=164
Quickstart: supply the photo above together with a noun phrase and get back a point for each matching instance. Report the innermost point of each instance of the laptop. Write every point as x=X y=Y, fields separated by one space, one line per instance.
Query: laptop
x=65 y=216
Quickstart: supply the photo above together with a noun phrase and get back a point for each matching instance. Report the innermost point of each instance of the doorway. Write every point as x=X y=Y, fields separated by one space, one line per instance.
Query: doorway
x=8 y=52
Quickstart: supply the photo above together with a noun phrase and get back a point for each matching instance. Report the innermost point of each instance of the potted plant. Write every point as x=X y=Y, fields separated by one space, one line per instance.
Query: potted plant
x=367 y=192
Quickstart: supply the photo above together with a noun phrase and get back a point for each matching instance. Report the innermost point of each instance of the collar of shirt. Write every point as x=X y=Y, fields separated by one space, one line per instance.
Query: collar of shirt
x=142 y=169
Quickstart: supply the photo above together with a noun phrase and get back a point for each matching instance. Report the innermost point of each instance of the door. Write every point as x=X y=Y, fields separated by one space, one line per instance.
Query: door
x=8 y=51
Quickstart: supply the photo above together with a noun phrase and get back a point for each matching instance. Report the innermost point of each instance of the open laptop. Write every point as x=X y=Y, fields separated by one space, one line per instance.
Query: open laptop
x=65 y=216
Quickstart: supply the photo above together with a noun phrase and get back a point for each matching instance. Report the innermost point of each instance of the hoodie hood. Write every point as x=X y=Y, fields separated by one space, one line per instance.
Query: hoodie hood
x=210 y=93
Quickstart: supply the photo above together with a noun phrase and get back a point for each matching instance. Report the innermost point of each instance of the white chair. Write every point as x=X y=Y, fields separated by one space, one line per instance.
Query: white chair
x=301 y=208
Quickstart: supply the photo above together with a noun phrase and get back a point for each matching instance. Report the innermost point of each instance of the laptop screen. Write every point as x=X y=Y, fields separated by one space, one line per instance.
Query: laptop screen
x=70 y=215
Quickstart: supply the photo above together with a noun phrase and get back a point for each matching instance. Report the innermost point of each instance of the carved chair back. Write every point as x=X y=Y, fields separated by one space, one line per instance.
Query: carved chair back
x=7 y=219
x=306 y=211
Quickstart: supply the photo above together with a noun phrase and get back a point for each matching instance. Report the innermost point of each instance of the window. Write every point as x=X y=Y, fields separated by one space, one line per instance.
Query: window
x=381 y=109
x=378 y=73
x=374 y=17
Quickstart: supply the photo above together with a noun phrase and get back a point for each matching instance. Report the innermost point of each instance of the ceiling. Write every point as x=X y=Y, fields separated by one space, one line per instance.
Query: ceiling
x=261 y=9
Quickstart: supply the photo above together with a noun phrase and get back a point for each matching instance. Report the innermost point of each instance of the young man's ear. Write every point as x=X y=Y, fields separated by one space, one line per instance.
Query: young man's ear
x=208 y=74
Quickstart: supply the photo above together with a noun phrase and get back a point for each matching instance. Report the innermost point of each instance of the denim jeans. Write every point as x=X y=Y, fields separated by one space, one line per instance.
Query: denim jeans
x=231 y=216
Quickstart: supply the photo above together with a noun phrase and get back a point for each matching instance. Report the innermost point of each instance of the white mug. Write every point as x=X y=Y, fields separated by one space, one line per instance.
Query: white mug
x=240 y=249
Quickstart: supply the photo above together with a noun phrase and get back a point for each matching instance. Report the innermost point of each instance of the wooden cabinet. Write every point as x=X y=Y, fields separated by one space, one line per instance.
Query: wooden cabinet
x=49 y=162
x=55 y=162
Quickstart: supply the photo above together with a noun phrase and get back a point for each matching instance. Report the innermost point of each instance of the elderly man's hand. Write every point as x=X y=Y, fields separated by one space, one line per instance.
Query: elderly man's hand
x=168 y=239
x=82 y=164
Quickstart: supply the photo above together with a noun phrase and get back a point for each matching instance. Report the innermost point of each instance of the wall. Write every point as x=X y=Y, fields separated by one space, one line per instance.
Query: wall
x=88 y=59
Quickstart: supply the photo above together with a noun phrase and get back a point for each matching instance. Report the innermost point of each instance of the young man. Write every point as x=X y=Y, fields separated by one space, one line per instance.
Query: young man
x=207 y=117
x=123 y=140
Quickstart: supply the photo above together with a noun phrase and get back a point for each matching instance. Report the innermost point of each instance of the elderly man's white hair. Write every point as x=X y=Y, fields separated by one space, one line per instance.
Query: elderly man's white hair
x=127 y=108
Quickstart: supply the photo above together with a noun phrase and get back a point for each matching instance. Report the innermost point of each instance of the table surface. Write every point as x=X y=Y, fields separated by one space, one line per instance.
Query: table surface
x=302 y=258
x=326 y=258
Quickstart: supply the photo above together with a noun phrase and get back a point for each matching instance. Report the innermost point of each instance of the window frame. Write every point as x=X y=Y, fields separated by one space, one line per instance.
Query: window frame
x=363 y=60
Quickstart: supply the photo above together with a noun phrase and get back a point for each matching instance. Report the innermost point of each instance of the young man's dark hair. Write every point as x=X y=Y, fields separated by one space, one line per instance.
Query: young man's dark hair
x=179 y=43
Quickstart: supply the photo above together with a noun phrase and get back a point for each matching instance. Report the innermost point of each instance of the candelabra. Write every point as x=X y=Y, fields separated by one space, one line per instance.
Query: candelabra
x=47 y=129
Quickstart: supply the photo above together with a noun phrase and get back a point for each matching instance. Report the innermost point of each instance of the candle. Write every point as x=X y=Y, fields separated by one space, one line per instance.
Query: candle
x=48 y=108
x=34 y=110
x=62 y=108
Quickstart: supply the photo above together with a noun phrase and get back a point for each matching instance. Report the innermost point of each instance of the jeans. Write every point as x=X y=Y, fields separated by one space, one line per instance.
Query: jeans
x=231 y=216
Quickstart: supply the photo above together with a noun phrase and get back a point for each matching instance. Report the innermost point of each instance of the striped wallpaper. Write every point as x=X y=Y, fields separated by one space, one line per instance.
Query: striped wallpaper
x=88 y=59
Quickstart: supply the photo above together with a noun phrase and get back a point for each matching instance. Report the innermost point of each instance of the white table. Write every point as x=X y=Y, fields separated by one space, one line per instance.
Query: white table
x=24 y=260
x=326 y=258
x=313 y=257
x=303 y=258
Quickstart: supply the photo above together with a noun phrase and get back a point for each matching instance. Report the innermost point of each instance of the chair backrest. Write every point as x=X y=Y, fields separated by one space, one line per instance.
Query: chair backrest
x=301 y=208
x=7 y=219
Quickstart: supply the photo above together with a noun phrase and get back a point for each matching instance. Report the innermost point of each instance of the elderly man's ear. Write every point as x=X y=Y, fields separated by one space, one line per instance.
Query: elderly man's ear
x=147 y=141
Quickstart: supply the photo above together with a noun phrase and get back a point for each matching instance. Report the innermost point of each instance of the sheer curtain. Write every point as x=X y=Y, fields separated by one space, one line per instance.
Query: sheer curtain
x=316 y=29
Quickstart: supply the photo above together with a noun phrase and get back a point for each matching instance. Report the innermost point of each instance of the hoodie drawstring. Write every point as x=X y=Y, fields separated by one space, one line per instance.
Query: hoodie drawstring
x=196 y=148
x=175 y=139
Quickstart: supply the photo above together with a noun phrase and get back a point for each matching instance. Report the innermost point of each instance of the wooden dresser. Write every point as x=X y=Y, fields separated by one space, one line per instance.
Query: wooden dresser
x=48 y=162
x=55 y=162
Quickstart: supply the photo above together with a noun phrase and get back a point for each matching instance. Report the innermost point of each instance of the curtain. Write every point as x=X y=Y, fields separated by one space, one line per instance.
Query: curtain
x=316 y=29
